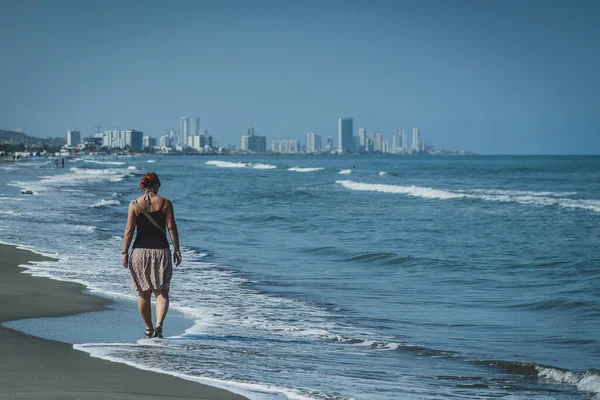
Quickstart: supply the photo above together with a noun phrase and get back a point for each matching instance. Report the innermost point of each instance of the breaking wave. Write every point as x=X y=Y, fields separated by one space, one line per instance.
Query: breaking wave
x=229 y=164
x=307 y=169
x=106 y=162
x=104 y=202
x=75 y=178
x=506 y=196
x=588 y=381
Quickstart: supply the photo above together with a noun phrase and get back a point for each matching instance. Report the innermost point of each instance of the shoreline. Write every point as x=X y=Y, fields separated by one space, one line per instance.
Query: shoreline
x=33 y=367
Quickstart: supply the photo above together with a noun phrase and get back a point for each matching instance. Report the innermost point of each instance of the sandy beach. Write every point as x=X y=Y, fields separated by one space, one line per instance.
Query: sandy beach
x=34 y=368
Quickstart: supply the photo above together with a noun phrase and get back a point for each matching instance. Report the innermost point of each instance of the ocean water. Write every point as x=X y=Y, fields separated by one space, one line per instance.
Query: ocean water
x=344 y=277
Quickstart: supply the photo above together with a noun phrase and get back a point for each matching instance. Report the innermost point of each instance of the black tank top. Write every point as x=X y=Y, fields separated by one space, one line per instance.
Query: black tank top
x=148 y=236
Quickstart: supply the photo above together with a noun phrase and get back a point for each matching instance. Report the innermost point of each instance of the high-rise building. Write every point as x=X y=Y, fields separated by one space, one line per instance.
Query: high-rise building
x=378 y=142
x=165 y=141
x=397 y=142
x=275 y=146
x=148 y=142
x=184 y=130
x=173 y=137
x=362 y=136
x=123 y=138
x=196 y=127
x=252 y=142
x=257 y=143
x=415 y=142
x=284 y=146
x=313 y=142
x=194 y=142
x=73 y=138
x=385 y=147
x=368 y=145
x=329 y=143
x=345 y=132
x=404 y=141
x=294 y=146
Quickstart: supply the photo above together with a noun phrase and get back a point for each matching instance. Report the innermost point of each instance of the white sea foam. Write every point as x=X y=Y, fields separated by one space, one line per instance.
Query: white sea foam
x=501 y=192
x=263 y=166
x=151 y=161
x=34 y=163
x=345 y=172
x=9 y=212
x=520 y=197
x=106 y=162
x=76 y=177
x=305 y=169
x=227 y=164
x=382 y=173
x=104 y=202
x=585 y=382
x=416 y=191
x=253 y=391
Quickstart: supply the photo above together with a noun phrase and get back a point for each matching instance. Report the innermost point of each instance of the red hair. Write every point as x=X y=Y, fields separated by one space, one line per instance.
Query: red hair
x=150 y=181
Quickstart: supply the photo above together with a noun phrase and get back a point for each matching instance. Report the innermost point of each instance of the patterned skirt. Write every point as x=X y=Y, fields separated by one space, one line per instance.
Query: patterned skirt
x=151 y=269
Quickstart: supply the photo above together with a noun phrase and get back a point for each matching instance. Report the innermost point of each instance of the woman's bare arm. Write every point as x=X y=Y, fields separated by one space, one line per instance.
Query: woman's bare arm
x=173 y=232
x=128 y=235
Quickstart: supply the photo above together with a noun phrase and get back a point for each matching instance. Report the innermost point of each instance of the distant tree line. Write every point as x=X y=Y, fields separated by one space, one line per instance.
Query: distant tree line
x=11 y=142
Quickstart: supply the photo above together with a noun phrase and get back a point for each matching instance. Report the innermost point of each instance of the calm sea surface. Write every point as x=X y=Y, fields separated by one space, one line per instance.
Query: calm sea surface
x=326 y=277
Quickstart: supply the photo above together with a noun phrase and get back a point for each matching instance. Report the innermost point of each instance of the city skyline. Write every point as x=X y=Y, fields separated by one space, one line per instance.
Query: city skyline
x=493 y=77
x=196 y=138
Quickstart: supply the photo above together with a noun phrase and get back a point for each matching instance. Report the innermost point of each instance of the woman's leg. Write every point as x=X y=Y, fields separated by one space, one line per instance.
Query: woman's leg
x=144 y=306
x=162 y=306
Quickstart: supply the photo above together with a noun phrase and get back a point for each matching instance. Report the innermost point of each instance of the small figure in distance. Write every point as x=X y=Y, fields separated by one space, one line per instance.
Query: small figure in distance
x=150 y=260
x=63 y=162
x=57 y=162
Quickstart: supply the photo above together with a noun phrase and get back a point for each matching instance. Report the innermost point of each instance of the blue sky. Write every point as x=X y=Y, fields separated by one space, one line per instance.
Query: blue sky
x=494 y=77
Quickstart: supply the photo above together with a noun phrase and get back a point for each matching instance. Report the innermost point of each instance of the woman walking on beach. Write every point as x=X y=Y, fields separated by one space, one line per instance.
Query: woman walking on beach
x=150 y=261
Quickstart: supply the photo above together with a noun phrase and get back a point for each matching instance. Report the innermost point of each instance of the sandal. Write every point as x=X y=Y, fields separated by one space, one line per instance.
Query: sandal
x=158 y=332
x=149 y=333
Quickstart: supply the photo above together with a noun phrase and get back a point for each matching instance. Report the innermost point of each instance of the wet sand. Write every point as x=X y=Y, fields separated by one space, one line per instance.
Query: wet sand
x=34 y=368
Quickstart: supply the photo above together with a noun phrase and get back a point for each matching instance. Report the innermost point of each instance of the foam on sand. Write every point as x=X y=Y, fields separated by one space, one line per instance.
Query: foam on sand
x=253 y=391
x=307 y=169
